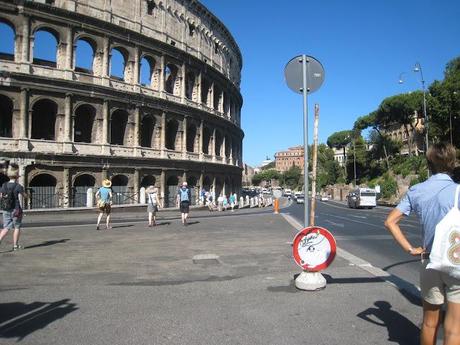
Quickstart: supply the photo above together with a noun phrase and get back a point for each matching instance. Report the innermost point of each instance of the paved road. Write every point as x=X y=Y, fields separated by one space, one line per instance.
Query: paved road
x=361 y=232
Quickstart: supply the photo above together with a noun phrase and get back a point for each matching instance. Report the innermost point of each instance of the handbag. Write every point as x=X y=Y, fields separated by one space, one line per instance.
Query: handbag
x=445 y=252
x=101 y=203
x=17 y=213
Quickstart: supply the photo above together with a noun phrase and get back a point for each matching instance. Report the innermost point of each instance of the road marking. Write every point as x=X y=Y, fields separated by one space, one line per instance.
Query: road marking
x=351 y=220
x=335 y=224
x=361 y=217
x=391 y=279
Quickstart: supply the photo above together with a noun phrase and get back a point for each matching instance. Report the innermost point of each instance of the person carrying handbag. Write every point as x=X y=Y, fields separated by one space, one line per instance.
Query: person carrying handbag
x=432 y=200
x=11 y=206
x=153 y=203
x=104 y=203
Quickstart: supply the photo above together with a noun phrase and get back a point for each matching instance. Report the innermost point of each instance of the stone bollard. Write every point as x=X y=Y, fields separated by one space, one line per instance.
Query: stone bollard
x=89 y=198
x=247 y=200
x=241 y=204
x=142 y=196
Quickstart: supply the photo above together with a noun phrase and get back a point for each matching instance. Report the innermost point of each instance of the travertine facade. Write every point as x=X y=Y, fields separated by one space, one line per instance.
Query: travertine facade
x=70 y=127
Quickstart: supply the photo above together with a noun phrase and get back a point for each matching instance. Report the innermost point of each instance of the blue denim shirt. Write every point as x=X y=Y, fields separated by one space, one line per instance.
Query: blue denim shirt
x=431 y=200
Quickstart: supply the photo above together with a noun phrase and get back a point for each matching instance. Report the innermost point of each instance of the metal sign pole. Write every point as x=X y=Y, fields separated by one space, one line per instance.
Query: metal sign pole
x=305 y=139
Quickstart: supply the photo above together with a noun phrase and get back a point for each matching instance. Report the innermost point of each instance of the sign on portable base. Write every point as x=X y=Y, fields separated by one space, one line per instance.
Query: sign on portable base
x=313 y=249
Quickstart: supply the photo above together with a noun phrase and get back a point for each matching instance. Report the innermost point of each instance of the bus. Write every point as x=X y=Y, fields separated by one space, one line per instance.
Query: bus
x=362 y=198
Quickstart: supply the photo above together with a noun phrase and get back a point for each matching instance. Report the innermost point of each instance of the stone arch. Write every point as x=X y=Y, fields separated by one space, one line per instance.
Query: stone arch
x=207 y=183
x=206 y=140
x=7 y=46
x=84 y=126
x=147 y=71
x=226 y=104
x=172 y=127
x=227 y=147
x=171 y=78
x=205 y=86
x=148 y=180
x=81 y=184
x=218 y=144
x=118 y=127
x=120 y=194
x=219 y=186
x=118 y=62
x=172 y=184
x=190 y=82
x=85 y=51
x=191 y=137
x=217 y=97
x=44 y=113
x=147 y=131
x=43 y=191
x=6 y=117
x=84 y=180
x=44 y=40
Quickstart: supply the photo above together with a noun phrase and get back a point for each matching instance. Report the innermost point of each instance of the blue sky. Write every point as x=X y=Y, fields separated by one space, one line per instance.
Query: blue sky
x=363 y=45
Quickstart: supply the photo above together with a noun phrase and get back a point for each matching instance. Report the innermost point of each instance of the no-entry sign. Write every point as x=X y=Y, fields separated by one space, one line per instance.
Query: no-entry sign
x=314 y=248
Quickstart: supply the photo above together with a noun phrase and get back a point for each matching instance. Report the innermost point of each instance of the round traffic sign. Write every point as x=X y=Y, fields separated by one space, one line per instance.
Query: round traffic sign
x=277 y=193
x=293 y=73
x=314 y=248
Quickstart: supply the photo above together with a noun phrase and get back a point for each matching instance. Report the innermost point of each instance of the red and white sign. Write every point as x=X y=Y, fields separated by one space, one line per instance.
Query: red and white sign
x=314 y=248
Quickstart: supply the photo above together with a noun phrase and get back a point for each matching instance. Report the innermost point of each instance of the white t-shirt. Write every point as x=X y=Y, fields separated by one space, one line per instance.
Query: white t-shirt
x=152 y=198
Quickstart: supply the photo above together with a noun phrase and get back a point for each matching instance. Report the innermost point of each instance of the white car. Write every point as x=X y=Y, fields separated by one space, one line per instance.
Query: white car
x=300 y=199
x=324 y=198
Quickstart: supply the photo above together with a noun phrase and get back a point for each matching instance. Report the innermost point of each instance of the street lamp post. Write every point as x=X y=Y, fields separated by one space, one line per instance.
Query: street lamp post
x=418 y=68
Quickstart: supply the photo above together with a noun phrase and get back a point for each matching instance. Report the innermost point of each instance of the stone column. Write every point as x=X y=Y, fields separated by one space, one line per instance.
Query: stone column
x=231 y=151
x=69 y=49
x=136 y=67
x=224 y=156
x=105 y=58
x=25 y=56
x=162 y=74
x=200 y=148
x=213 y=146
x=184 y=176
x=136 y=185
x=184 y=137
x=183 y=84
x=105 y=122
x=137 y=124
x=163 y=134
x=68 y=118
x=198 y=86
x=213 y=188
x=66 y=190
x=24 y=109
x=211 y=91
x=162 y=187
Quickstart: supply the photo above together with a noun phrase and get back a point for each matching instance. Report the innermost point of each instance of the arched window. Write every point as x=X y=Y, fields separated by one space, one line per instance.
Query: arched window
x=118 y=127
x=117 y=64
x=84 y=180
x=146 y=71
x=84 y=123
x=44 y=120
x=227 y=147
x=217 y=97
x=43 y=191
x=206 y=140
x=171 y=134
x=7 y=41
x=147 y=130
x=207 y=183
x=147 y=181
x=45 y=47
x=171 y=79
x=190 y=80
x=191 y=138
x=84 y=56
x=120 y=193
x=218 y=144
x=6 y=117
x=205 y=86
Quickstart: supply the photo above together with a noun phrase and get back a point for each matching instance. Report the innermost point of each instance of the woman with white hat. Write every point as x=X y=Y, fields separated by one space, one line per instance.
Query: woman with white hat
x=153 y=202
x=104 y=202
x=11 y=205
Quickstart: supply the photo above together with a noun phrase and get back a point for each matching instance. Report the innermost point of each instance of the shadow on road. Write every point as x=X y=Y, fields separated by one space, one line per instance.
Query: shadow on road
x=400 y=329
x=18 y=320
x=47 y=243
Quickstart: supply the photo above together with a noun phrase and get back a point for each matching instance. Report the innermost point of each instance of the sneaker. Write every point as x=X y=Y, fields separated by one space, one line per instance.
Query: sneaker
x=97 y=227
x=17 y=247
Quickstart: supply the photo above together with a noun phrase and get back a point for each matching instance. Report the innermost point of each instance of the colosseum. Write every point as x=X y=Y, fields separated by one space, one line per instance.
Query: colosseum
x=144 y=92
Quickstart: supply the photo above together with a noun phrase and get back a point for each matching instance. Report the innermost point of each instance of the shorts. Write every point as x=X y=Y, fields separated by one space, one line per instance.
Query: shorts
x=184 y=207
x=436 y=286
x=107 y=208
x=152 y=208
x=10 y=222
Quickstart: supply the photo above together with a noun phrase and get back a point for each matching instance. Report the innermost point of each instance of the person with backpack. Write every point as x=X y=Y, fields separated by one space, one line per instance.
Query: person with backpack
x=184 y=196
x=432 y=200
x=153 y=202
x=11 y=206
x=104 y=203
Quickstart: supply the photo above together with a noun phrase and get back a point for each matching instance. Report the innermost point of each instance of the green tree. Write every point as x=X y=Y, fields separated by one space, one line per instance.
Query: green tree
x=292 y=177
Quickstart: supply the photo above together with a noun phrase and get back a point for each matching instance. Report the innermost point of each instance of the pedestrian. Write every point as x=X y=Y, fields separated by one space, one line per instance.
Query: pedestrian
x=209 y=201
x=203 y=196
x=225 y=202
x=232 y=200
x=220 y=202
x=431 y=200
x=153 y=203
x=104 y=203
x=11 y=205
x=184 y=196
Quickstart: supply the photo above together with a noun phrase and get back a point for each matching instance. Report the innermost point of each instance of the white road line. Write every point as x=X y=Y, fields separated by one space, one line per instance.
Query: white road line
x=335 y=224
x=393 y=280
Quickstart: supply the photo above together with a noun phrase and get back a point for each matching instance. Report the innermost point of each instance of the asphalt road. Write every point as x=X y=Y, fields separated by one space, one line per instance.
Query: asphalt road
x=361 y=232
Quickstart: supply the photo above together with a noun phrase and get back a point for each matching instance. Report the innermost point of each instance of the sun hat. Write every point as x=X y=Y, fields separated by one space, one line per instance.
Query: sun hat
x=13 y=171
x=107 y=183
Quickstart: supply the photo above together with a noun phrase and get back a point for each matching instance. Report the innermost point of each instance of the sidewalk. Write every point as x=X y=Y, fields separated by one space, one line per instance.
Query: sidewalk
x=221 y=280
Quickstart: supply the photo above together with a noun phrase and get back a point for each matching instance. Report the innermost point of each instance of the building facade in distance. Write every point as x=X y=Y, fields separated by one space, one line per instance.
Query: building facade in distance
x=69 y=127
x=284 y=160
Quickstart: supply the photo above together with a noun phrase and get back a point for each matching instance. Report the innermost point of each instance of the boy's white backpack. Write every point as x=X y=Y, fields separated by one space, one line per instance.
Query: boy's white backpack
x=445 y=253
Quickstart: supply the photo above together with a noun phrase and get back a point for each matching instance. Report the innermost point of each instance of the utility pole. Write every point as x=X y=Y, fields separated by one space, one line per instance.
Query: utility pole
x=315 y=164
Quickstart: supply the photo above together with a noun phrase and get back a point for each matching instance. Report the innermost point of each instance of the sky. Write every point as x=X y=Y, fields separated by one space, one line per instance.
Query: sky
x=363 y=45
